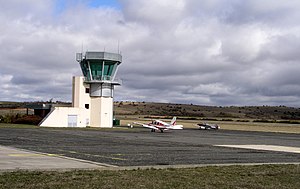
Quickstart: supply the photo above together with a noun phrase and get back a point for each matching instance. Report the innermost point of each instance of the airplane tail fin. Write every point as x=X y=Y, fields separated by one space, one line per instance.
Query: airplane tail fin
x=173 y=122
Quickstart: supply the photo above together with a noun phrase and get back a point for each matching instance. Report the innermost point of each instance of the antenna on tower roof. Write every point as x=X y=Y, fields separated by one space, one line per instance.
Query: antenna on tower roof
x=118 y=46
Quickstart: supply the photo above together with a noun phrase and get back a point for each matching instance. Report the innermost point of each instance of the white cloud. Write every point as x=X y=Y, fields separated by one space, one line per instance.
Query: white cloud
x=203 y=52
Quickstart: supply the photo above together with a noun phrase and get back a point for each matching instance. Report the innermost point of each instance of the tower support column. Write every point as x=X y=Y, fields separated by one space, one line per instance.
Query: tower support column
x=101 y=112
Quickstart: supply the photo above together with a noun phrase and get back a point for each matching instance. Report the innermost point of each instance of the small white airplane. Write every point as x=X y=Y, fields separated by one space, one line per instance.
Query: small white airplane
x=158 y=125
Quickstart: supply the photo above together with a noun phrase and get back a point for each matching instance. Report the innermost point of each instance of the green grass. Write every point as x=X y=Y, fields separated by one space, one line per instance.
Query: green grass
x=10 y=125
x=263 y=176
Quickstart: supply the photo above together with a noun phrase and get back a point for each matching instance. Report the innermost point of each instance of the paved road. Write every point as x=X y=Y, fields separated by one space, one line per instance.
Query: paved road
x=140 y=147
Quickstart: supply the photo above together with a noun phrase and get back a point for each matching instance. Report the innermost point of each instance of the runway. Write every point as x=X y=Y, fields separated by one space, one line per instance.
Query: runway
x=140 y=147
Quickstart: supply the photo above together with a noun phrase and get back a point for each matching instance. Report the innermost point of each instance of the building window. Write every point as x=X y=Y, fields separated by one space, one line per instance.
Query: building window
x=87 y=106
x=87 y=90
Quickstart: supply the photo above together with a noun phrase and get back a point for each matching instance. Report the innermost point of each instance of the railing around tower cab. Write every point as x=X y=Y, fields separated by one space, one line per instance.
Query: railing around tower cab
x=103 y=79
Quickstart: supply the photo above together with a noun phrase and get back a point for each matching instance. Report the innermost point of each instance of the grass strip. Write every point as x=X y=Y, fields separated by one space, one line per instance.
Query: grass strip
x=259 y=176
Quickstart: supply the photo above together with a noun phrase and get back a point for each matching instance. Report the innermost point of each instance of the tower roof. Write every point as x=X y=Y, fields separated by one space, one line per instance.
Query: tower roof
x=100 y=56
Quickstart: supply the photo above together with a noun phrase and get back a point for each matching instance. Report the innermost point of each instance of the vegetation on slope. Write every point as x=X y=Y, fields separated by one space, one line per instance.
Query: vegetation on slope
x=190 y=110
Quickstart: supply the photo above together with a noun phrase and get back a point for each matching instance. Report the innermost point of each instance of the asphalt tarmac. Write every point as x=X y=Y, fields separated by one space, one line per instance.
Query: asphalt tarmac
x=12 y=159
x=140 y=147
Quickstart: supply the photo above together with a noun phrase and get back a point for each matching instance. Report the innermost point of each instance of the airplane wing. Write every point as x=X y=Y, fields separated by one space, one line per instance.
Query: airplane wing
x=175 y=127
x=145 y=125
x=150 y=127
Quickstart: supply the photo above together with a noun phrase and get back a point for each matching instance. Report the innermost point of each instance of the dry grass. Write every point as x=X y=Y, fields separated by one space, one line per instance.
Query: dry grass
x=243 y=126
x=264 y=176
x=263 y=127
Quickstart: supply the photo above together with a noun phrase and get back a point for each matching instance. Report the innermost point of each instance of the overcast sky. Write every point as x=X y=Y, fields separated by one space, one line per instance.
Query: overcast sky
x=206 y=52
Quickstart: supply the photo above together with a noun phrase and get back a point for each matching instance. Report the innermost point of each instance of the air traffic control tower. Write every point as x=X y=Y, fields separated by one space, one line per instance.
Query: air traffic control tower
x=92 y=93
x=99 y=70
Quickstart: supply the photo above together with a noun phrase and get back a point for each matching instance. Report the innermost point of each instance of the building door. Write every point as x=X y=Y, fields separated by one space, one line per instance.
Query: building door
x=72 y=120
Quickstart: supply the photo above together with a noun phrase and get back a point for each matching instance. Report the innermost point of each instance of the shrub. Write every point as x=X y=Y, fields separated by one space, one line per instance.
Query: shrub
x=242 y=120
x=264 y=121
x=289 y=121
x=9 y=118
x=28 y=119
x=227 y=120
x=209 y=119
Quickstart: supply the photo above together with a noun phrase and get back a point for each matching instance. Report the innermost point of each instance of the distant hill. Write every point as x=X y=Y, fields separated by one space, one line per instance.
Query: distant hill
x=10 y=104
x=190 y=110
